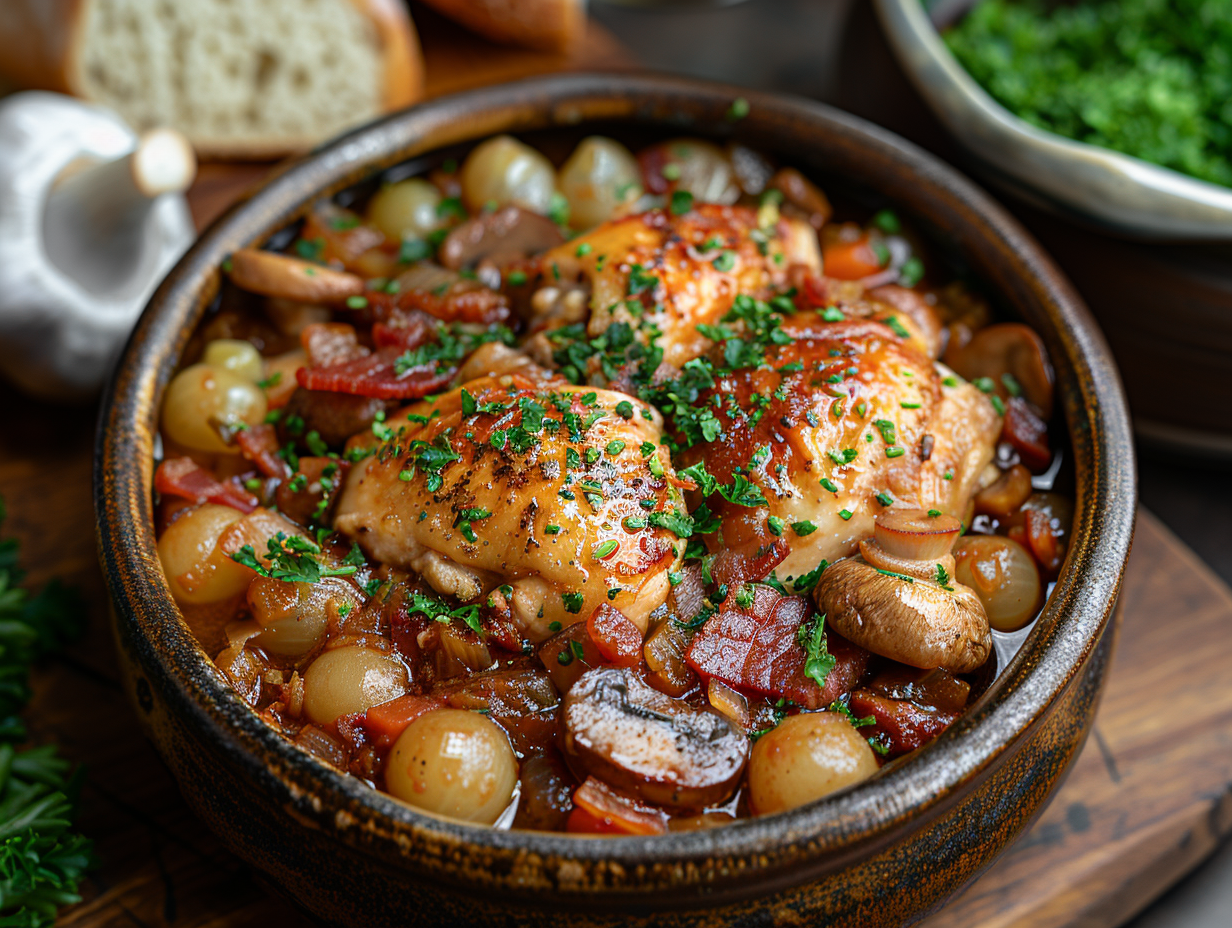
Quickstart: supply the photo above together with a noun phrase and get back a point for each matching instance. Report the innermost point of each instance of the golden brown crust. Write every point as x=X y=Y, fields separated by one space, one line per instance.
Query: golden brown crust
x=550 y=25
x=404 y=77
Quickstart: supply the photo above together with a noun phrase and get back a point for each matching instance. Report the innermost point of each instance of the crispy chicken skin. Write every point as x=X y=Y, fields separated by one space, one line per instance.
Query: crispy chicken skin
x=508 y=480
x=858 y=421
x=674 y=272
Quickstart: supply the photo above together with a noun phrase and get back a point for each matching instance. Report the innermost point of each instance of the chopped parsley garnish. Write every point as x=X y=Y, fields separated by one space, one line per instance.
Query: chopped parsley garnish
x=911 y=273
x=573 y=604
x=292 y=558
x=884 y=498
x=682 y=202
x=725 y=261
x=464 y=519
x=845 y=456
x=738 y=109
x=640 y=281
x=897 y=327
x=743 y=492
x=803 y=528
x=606 y=549
x=943 y=578
x=452 y=344
x=805 y=582
x=818 y=661
x=437 y=611
x=840 y=706
x=887 y=221
x=679 y=523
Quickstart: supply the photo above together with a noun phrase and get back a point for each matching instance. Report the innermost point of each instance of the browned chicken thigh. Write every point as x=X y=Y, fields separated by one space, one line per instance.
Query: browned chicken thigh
x=663 y=274
x=562 y=493
x=840 y=423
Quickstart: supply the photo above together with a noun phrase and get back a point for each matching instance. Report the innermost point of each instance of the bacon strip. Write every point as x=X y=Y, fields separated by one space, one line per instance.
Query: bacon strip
x=376 y=375
x=186 y=479
x=757 y=648
x=259 y=444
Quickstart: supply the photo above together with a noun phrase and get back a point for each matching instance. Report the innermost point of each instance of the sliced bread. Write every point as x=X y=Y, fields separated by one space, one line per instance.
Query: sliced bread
x=240 y=78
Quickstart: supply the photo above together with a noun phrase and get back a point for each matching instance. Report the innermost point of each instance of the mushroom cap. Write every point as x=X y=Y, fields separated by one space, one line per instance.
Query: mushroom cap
x=1008 y=348
x=506 y=234
x=908 y=619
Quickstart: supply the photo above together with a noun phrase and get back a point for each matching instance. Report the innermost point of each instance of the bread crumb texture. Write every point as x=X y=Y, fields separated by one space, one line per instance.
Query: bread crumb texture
x=236 y=76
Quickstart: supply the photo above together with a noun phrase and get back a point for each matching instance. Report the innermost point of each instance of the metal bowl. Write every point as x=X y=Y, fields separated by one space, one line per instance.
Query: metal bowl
x=1095 y=185
x=881 y=853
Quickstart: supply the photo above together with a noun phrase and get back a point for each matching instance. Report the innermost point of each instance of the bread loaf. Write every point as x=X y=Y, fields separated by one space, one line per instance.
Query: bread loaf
x=240 y=78
x=548 y=25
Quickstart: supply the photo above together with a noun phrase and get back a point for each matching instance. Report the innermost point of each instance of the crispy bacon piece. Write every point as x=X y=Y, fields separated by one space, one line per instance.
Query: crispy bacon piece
x=330 y=343
x=377 y=376
x=184 y=478
x=259 y=444
x=403 y=331
x=454 y=299
x=735 y=567
x=338 y=363
x=757 y=648
x=902 y=725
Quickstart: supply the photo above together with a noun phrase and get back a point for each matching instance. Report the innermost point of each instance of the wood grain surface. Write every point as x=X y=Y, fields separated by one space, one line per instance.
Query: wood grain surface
x=1148 y=798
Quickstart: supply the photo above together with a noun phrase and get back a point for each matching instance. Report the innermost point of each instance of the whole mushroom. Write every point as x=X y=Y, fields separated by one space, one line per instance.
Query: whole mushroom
x=90 y=221
x=898 y=597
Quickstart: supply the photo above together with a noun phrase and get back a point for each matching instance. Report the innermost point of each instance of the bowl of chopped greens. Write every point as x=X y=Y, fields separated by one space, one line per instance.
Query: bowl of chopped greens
x=1117 y=113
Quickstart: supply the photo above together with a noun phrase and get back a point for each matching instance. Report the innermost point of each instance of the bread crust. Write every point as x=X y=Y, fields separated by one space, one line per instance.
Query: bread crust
x=40 y=42
x=549 y=25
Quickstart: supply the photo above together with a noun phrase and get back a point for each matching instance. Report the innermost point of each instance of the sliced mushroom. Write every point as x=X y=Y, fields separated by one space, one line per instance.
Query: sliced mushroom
x=653 y=746
x=899 y=599
x=271 y=274
x=493 y=359
x=503 y=236
x=1008 y=348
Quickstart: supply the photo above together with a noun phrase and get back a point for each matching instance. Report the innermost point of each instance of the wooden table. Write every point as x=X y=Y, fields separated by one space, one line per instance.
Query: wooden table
x=1148 y=797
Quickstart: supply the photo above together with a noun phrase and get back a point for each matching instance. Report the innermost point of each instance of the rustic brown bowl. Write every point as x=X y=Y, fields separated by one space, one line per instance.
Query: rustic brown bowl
x=886 y=852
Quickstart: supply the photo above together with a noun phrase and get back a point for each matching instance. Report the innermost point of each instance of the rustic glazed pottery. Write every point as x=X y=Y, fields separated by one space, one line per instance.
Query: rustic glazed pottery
x=884 y=853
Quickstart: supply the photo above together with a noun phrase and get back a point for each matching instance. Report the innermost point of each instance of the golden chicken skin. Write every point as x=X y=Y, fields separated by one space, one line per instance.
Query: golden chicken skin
x=840 y=421
x=662 y=273
x=563 y=493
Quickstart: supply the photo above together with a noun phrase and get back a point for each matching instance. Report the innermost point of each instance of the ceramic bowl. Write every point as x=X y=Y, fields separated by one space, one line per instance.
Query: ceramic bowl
x=885 y=852
x=1096 y=185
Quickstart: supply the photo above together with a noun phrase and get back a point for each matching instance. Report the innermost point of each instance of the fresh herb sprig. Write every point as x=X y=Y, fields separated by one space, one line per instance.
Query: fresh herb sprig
x=42 y=858
x=291 y=558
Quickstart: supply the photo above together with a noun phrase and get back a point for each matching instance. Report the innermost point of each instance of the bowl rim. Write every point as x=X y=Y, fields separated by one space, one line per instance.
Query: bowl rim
x=1112 y=190
x=776 y=851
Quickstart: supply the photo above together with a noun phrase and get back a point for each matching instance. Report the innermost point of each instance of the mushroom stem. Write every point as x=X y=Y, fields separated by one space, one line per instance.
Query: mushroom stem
x=94 y=228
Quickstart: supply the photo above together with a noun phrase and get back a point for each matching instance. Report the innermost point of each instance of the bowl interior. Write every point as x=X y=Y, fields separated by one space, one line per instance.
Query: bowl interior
x=850 y=159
